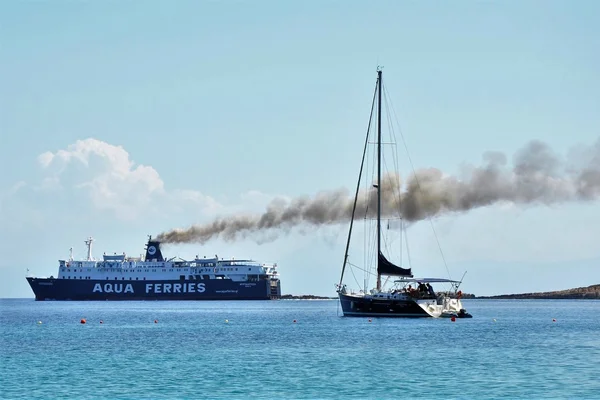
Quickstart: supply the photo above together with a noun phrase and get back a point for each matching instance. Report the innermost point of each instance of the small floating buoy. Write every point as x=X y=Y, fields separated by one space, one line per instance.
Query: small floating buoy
x=453 y=318
x=101 y=321
x=156 y=321
x=226 y=321
x=39 y=322
x=82 y=320
x=494 y=319
x=553 y=319
x=294 y=321
x=369 y=319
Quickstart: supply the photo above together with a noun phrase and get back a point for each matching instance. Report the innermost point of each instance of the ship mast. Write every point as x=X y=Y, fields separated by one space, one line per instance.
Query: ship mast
x=88 y=243
x=379 y=80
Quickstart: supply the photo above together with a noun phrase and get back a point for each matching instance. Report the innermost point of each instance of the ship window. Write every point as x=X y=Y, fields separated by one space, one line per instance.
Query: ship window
x=107 y=278
x=249 y=269
x=236 y=269
x=129 y=278
x=171 y=269
x=116 y=278
x=144 y=278
x=136 y=278
x=153 y=270
x=123 y=278
x=164 y=270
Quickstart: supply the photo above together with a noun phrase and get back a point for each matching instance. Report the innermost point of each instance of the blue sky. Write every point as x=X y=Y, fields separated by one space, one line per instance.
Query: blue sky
x=189 y=110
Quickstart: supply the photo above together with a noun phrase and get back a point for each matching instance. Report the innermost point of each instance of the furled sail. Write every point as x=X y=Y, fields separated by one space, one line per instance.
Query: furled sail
x=385 y=267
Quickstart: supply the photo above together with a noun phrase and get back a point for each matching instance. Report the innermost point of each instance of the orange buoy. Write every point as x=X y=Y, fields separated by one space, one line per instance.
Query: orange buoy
x=453 y=318
x=82 y=320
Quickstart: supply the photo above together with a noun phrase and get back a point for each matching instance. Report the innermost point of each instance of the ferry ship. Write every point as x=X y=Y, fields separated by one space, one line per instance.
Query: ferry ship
x=152 y=277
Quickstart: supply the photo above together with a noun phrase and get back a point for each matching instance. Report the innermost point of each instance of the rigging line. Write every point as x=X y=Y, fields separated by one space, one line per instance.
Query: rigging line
x=362 y=269
x=365 y=257
x=368 y=255
x=398 y=194
x=401 y=237
x=397 y=198
x=358 y=185
x=419 y=186
x=395 y=156
x=353 y=275
x=372 y=249
x=407 y=250
x=395 y=194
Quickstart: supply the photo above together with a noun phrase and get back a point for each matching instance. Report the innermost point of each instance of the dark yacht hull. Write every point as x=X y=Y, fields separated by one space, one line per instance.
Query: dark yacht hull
x=355 y=306
x=209 y=289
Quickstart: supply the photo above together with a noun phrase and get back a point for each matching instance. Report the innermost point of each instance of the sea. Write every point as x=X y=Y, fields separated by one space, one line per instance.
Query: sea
x=296 y=349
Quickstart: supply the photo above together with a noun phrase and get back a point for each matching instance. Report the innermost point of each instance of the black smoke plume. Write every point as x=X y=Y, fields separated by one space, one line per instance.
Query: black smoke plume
x=537 y=176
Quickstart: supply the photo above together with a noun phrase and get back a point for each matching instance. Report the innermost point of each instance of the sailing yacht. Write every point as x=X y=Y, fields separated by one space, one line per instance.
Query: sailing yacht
x=401 y=299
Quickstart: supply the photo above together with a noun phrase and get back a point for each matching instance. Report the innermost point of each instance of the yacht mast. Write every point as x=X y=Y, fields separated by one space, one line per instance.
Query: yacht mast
x=362 y=163
x=379 y=80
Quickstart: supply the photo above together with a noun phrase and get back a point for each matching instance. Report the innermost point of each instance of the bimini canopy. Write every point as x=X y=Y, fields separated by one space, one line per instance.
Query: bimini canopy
x=426 y=280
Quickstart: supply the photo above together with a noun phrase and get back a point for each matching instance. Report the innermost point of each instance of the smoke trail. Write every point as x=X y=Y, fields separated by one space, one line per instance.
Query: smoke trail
x=537 y=176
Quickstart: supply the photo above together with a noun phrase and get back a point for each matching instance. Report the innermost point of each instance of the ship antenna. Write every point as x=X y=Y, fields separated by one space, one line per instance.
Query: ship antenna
x=70 y=254
x=88 y=243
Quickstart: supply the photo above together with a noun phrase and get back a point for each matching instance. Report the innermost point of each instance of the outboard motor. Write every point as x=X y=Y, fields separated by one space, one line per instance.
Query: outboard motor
x=153 y=252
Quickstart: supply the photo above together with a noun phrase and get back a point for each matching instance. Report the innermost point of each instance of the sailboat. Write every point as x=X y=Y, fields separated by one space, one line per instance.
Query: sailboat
x=401 y=299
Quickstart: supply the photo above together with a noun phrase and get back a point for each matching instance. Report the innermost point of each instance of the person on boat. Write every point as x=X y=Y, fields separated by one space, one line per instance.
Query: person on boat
x=430 y=290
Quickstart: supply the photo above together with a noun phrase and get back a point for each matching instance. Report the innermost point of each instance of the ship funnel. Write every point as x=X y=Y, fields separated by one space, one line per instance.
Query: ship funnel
x=153 y=252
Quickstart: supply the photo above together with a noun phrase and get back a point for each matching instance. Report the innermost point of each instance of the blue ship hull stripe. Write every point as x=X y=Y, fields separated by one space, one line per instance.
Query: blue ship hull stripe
x=210 y=289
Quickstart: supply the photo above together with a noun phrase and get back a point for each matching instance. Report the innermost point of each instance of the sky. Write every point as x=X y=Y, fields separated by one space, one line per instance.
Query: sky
x=124 y=119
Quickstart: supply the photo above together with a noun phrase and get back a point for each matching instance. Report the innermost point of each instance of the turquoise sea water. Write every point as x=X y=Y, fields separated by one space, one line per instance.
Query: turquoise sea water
x=193 y=353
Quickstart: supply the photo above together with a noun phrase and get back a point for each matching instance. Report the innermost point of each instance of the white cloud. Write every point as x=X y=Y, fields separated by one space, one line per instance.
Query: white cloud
x=45 y=159
x=110 y=180
x=105 y=172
